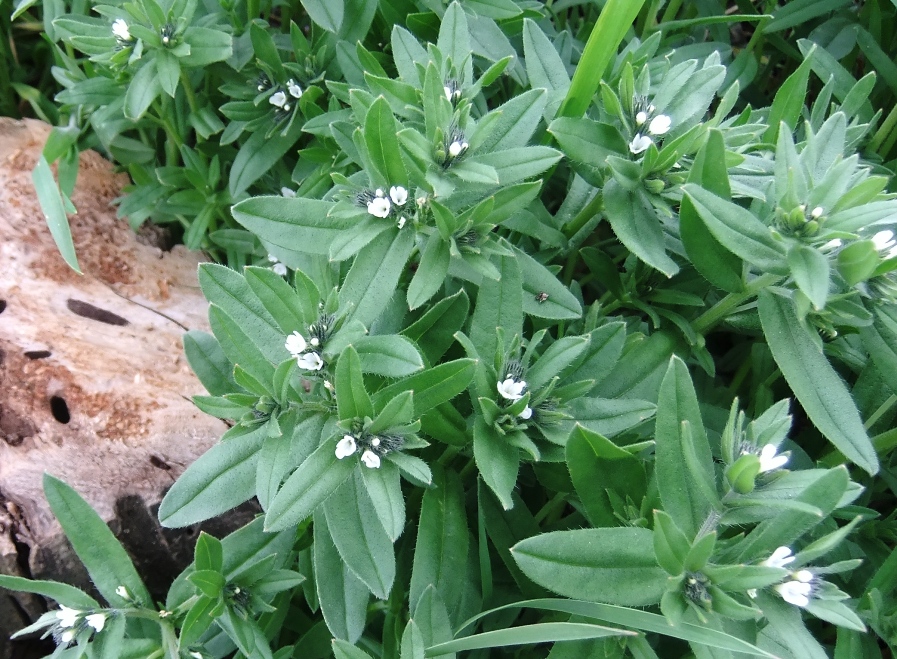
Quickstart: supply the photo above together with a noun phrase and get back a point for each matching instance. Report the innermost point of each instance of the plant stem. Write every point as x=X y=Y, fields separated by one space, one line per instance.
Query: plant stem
x=881 y=411
x=703 y=323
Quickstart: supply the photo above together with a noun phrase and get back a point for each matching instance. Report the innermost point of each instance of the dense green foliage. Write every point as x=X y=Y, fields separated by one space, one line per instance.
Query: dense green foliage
x=516 y=299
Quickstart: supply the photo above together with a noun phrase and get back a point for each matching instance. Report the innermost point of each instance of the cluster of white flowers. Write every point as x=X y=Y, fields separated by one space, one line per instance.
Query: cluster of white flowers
x=799 y=588
x=512 y=389
x=348 y=446
x=381 y=205
x=70 y=622
x=280 y=99
x=659 y=125
x=296 y=345
x=120 y=30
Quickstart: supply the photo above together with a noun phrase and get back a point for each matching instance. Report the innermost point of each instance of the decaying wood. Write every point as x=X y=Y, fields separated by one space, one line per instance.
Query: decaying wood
x=94 y=387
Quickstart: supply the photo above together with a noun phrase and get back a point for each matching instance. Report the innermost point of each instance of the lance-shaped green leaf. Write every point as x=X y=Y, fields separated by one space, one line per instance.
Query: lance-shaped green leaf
x=360 y=538
x=239 y=348
x=431 y=272
x=789 y=100
x=615 y=566
x=810 y=269
x=53 y=206
x=435 y=331
x=545 y=632
x=143 y=90
x=817 y=385
x=440 y=554
x=259 y=154
x=738 y=230
x=342 y=595
x=517 y=120
x=64 y=594
x=431 y=387
x=326 y=13
x=604 y=416
x=290 y=310
x=685 y=476
x=587 y=141
x=499 y=304
x=207 y=359
x=293 y=225
x=352 y=399
x=637 y=226
x=385 y=490
x=538 y=282
x=221 y=479
x=309 y=486
x=380 y=129
x=107 y=562
x=391 y=356
x=497 y=460
x=454 y=41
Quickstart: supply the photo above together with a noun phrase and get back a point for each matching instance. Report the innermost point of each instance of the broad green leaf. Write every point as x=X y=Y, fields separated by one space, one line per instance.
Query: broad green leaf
x=64 y=594
x=639 y=365
x=391 y=356
x=380 y=129
x=517 y=120
x=343 y=650
x=537 y=280
x=239 y=348
x=789 y=101
x=637 y=226
x=431 y=387
x=385 y=490
x=412 y=642
x=326 y=13
x=499 y=304
x=342 y=595
x=604 y=416
x=207 y=46
x=515 y=165
x=208 y=553
x=454 y=41
x=611 y=565
x=431 y=271
x=440 y=553
x=817 y=385
x=810 y=269
x=352 y=400
x=289 y=310
x=497 y=460
x=307 y=487
x=587 y=141
x=544 y=66
x=256 y=156
x=107 y=562
x=143 y=90
x=435 y=331
x=432 y=618
x=221 y=479
x=557 y=357
x=360 y=537
x=684 y=464
x=293 y=225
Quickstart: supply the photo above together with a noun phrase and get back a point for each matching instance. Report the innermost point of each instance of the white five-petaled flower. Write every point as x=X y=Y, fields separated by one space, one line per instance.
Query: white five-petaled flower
x=640 y=118
x=67 y=617
x=345 y=447
x=379 y=207
x=527 y=413
x=640 y=143
x=278 y=267
x=660 y=125
x=294 y=89
x=97 y=621
x=779 y=558
x=511 y=389
x=770 y=460
x=795 y=592
x=120 y=30
x=885 y=243
x=398 y=194
x=310 y=361
x=371 y=460
x=278 y=99
x=457 y=147
x=296 y=344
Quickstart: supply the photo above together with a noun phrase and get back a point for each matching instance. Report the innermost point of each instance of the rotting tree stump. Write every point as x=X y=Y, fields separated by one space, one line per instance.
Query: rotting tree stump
x=94 y=386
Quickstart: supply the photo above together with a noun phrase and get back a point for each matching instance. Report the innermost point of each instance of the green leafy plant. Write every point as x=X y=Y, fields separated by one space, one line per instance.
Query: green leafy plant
x=520 y=279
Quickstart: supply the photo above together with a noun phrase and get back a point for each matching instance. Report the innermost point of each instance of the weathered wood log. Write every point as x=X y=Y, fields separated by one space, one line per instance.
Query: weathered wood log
x=94 y=386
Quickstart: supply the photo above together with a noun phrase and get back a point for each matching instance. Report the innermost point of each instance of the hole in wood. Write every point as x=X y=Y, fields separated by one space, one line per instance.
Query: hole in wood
x=2 y=306
x=87 y=310
x=60 y=409
x=38 y=354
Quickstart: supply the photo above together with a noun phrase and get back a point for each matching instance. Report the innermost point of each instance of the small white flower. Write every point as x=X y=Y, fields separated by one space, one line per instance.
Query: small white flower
x=286 y=192
x=97 y=621
x=421 y=201
x=196 y=655
x=651 y=108
x=448 y=92
x=769 y=460
x=660 y=125
x=67 y=617
x=398 y=194
x=328 y=385
x=310 y=361
x=884 y=242
x=294 y=89
x=795 y=592
x=511 y=389
x=122 y=592
x=640 y=143
x=295 y=344
x=67 y=636
x=641 y=118
x=401 y=222
x=346 y=447
x=279 y=269
x=315 y=341
x=457 y=147
x=371 y=460
x=164 y=614
x=804 y=576
x=816 y=213
x=120 y=30
x=779 y=558
x=379 y=207
x=166 y=39
x=379 y=192
x=527 y=413
x=278 y=99
x=752 y=593
x=375 y=441
x=835 y=243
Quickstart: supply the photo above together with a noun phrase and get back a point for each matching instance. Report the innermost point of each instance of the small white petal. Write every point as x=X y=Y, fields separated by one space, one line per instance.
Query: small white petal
x=371 y=460
x=660 y=125
x=310 y=361
x=294 y=89
x=279 y=269
x=375 y=441
x=295 y=344
x=279 y=99
x=379 y=207
x=779 y=558
x=67 y=636
x=196 y=655
x=398 y=194
x=804 y=576
x=97 y=621
x=120 y=29
x=67 y=617
x=346 y=447
x=770 y=460
x=328 y=385
x=286 y=192
x=379 y=192
x=794 y=592
x=883 y=240
x=315 y=341
x=752 y=593
x=641 y=118
x=511 y=389
x=835 y=243
x=401 y=222
x=122 y=592
x=456 y=148
x=527 y=413
x=816 y=213
x=448 y=92
x=640 y=143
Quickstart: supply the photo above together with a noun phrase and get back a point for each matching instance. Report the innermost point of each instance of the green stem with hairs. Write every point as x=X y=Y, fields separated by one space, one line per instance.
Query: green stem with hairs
x=706 y=321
